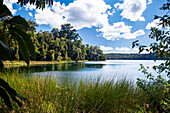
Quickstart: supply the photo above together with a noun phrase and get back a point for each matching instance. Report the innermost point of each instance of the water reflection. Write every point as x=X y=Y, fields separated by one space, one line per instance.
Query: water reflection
x=58 y=67
x=106 y=70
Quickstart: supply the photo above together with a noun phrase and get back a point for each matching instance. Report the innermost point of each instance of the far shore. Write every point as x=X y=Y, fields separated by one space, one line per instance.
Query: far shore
x=8 y=64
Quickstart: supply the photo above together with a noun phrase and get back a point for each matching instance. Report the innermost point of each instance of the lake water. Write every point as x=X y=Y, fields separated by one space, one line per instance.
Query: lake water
x=92 y=70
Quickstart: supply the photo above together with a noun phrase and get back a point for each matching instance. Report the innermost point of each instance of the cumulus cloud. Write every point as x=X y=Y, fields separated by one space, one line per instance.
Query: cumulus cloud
x=30 y=14
x=49 y=17
x=80 y=13
x=111 y=13
x=89 y=13
x=132 y=9
x=106 y=48
x=119 y=30
x=149 y=2
x=9 y=4
x=126 y=49
x=155 y=23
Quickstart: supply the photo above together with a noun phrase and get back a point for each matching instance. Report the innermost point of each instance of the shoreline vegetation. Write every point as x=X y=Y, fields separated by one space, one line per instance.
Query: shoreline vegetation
x=45 y=94
x=8 y=64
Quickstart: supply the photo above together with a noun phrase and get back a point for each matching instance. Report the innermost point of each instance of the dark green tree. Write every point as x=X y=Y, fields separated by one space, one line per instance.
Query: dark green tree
x=55 y=32
x=68 y=32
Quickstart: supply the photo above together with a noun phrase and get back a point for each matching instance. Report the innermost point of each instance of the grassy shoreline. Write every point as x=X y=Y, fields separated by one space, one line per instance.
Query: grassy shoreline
x=8 y=64
x=44 y=94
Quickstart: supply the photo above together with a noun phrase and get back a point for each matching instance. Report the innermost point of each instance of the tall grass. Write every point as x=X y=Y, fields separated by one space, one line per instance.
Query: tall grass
x=44 y=94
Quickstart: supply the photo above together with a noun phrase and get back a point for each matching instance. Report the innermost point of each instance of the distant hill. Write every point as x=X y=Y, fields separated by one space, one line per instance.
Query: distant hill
x=131 y=56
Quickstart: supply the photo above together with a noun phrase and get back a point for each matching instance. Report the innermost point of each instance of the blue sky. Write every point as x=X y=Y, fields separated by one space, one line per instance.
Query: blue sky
x=110 y=24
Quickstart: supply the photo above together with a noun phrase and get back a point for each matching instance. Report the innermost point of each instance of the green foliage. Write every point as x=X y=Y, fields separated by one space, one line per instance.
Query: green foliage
x=152 y=86
x=6 y=53
x=6 y=90
x=161 y=48
x=4 y=11
x=17 y=30
x=68 y=32
x=16 y=27
x=48 y=94
x=64 y=44
x=38 y=3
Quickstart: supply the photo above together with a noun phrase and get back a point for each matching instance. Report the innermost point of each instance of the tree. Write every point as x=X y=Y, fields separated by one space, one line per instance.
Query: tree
x=32 y=26
x=55 y=32
x=68 y=32
x=161 y=48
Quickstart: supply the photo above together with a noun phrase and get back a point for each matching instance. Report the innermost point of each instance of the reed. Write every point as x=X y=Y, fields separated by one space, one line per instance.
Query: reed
x=45 y=94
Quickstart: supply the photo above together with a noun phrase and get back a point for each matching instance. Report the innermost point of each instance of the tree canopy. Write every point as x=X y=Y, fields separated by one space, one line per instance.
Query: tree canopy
x=63 y=44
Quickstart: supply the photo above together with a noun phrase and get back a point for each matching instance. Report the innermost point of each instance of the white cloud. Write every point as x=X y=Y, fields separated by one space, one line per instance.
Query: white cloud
x=89 y=13
x=141 y=18
x=30 y=14
x=116 y=5
x=80 y=13
x=126 y=49
x=149 y=2
x=9 y=4
x=106 y=48
x=111 y=13
x=119 y=30
x=30 y=7
x=132 y=9
x=155 y=23
x=49 y=17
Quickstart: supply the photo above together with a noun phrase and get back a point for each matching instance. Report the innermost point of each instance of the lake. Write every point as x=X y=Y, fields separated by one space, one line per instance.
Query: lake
x=92 y=70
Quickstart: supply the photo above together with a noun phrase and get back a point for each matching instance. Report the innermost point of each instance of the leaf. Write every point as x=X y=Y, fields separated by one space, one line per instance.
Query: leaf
x=135 y=43
x=1 y=2
x=156 y=17
x=21 y=97
x=1 y=64
x=38 y=3
x=22 y=46
x=19 y=22
x=16 y=100
x=156 y=57
x=7 y=87
x=28 y=42
x=4 y=11
x=5 y=97
x=12 y=93
x=6 y=52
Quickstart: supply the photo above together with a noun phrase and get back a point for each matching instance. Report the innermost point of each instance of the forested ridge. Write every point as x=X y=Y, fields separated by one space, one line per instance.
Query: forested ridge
x=58 y=44
x=131 y=56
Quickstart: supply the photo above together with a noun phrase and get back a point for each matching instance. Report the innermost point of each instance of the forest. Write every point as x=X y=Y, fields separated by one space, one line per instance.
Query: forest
x=57 y=45
x=131 y=56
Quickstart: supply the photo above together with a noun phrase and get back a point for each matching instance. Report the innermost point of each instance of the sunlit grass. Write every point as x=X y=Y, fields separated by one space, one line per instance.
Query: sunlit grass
x=45 y=94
